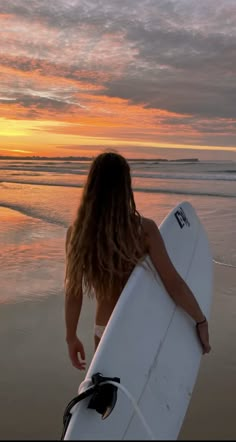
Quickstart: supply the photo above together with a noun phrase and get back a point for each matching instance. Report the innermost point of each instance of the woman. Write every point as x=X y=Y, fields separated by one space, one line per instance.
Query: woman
x=103 y=245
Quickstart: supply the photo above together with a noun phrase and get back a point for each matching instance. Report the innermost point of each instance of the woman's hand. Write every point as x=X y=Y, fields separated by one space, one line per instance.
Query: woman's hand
x=76 y=348
x=203 y=335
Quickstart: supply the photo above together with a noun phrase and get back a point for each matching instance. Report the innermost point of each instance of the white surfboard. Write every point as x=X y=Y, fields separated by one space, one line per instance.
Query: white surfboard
x=152 y=345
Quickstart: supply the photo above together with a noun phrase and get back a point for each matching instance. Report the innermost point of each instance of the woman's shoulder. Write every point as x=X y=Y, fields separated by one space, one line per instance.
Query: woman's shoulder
x=148 y=224
x=151 y=231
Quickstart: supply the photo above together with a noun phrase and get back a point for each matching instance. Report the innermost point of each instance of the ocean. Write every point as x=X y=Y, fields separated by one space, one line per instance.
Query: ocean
x=38 y=200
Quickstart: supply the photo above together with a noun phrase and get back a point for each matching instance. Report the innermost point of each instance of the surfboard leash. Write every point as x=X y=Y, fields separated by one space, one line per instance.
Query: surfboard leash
x=104 y=397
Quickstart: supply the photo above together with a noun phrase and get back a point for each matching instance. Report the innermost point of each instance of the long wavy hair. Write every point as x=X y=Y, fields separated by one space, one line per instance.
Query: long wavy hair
x=107 y=238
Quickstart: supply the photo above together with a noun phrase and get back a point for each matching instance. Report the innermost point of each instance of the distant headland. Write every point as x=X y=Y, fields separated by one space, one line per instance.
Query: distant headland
x=83 y=158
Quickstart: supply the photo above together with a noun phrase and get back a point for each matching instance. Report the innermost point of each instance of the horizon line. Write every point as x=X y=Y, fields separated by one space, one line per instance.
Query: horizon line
x=74 y=158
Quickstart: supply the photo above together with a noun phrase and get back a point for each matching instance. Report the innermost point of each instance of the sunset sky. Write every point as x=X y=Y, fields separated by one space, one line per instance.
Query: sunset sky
x=79 y=75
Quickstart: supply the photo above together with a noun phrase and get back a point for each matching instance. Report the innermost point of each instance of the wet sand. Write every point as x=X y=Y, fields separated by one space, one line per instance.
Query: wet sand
x=37 y=380
x=211 y=414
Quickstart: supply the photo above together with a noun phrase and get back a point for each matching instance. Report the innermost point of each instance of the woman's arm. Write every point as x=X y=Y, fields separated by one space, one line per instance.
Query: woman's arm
x=73 y=305
x=173 y=282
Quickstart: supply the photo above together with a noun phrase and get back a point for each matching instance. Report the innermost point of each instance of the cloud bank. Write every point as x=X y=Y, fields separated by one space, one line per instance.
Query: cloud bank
x=159 y=70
